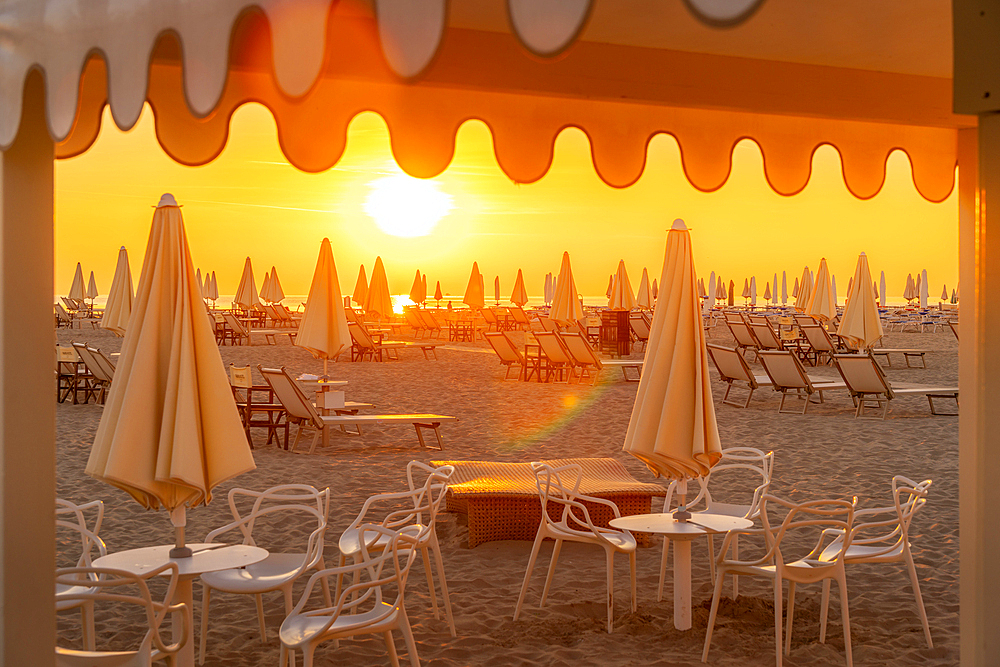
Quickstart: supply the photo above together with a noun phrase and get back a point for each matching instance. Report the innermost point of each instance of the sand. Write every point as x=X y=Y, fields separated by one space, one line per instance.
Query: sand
x=826 y=453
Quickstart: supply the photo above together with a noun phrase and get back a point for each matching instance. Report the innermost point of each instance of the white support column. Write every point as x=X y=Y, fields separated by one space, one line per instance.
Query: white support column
x=27 y=391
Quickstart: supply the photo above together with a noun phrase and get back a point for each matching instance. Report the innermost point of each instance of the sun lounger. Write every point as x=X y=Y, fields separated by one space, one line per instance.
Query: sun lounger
x=908 y=354
x=255 y=400
x=744 y=339
x=521 y=319
x=548 y=324
x=820 y=343
x=583 y=356
x=434 y=328
x=101 y=372
x=870 y=389
x=415 y=322
x=501 y=499
x=764 y=335
x=507 y=351
x=789 y=377
x=554 y=357
x=734 y=371
x=367 y=345
x=954 y=328
x=234 y=330
x=418 y=421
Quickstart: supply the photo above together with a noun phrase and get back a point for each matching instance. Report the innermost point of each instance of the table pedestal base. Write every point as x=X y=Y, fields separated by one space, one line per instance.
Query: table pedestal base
x=184 y=593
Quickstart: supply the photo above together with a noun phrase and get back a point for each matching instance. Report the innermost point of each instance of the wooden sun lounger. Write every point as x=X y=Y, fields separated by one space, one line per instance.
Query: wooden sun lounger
x=501 y=499
x=419 y=422
x=908 y=353
x=870 y=389
x=625 y=364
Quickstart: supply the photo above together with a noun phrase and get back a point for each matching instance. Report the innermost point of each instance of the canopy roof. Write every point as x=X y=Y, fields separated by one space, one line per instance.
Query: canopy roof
x=865 y=77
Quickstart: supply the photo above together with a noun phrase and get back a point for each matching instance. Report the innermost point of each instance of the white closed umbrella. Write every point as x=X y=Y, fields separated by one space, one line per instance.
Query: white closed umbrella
x=721 y=293
x=78 y=291
x=548 y=288
x=274 y=292
x=622 y=296
x=246 y=293
x=774 y=289
x=944 y=293
x=746 y=289
x=566 y=306
x=923 y=288
x=833 y=290
x=360 y=288
x=753 y=291
x=767 y=291
x=416 y=288
x=214 y=293
x=520 y=294
x=264 y=286
x=881 y=290
x=197 y=279
x=170 y=431
x=611 y=286
x=711 y=291
x=784 y=289
x=795 y=288
x=644 y=297
x=496 y=289
x=673 y=429
x=821 y=303
x=474 y=297
x=92 y=292
x=323 y=330
x=378 y=301
x=119 y=306
x=860 y=325
x=805 y=291
x=656 y=289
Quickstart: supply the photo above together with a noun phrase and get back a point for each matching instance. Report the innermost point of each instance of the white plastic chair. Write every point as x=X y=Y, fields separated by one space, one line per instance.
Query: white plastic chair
x=279 y=570
x=123 y=587
x=890 y=547
x=819 y=564
x=426 y=498
x=560 y=486
x=72 y=517
x=367 y=606
x=734 y=459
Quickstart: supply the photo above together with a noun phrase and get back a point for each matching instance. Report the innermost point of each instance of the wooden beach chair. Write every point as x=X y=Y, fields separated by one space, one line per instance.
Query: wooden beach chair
x=507 y=351
x=63 y=317
x=366 y=345
x=548 y=324
x=765 y=336
x=820 y=344
x=234 y=330
x=434 y=327
x=521 y=319
x=790 y=379
x=490 y=318
x=741 y=332
x=101 y=372
x=72 y=375
x=909 y=354
x=415 y=321
x=244 y=390
x=584 y=357
x=555 y=357
x=734 y=371
x=640 y=328
x=870 y=389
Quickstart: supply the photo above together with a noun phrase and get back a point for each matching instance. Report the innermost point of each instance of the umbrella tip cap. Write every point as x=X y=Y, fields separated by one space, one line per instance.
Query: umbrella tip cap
x=166 y=199
x=679 y=224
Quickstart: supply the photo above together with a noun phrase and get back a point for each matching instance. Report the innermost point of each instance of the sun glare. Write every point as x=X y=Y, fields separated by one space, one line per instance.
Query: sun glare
x=405 y=206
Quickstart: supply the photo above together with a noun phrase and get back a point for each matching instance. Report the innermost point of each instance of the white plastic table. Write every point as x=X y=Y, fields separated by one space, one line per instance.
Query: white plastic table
x=681 y=534
x=205 y=559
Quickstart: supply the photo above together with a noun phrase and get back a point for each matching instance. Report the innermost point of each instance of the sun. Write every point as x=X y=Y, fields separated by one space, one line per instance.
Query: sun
x=405 y=206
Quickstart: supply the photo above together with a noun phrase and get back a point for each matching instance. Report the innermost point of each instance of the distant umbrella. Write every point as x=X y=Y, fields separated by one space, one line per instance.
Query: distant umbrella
x=767 y=291
x=711 y=291
x=360 y=288
x=795 y=288
x=909 y=292
x=274 y=293
x=496 y=289
x=784 y=289
x=774 y=287
x=323 y=329
x=197 y=279
x=881 y=290
x=474 y=294
x=656 y=289
x=954 y=296
x=732 y=292
x=622 y=296
x=520 y=294
x=753 y=291
x=119 y=306
x=437 y=292
x=78 y=291
x=378 y=303
x=944 y=293
x=860 y=325
x=246 y=293
x=264 y=285
x=923 y=289
x=805 y=291
x=746 y=289
x=611 y=285
x=423 y=288
x=415 y=289
x=821 y=303
x=644 y=297
x=720 y=289
x=566 y=306
x=214 y=294
x=833 y=290
x=92 y=287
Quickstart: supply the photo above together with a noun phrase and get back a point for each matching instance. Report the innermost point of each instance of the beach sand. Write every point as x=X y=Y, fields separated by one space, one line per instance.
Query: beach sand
x=826 y=453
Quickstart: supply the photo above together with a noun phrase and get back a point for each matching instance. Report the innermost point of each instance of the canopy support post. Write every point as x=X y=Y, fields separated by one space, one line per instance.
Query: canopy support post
x=27 y=401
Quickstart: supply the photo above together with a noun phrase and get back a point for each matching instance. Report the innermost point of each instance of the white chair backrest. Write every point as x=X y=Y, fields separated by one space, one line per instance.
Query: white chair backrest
x=561 y=487
x=521 y=317
x=74 y=518
x=360 y=336
x=639 y=325
x=504 y=347
x=741 y=332
x=549 y=343
x=548 y=324
x=235 y=324
x=580 y=349
x=818 y=338
x=784 y=369
x=118 y=586
x=862 y=374
x=96 y=362
x=765 y=335
x=731 y=364
x=290 y=396
x=802 y=524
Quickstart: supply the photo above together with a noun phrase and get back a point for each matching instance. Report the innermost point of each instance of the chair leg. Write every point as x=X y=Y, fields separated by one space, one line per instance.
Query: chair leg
x=631 y=567
x=777 y=618
x=436 y=550
x=206 y=596
x=404 y=629
x=316 y=438
x=788 y=617
x=916 y=593
x=712 y=613
x=390 y=645
x=551 y=572
x=846 y=616
x=824 y=609
x=736 y=556
x=431 y=591
x=539 y=538
x=260 y=617
x=90 y=638
x=611 y=590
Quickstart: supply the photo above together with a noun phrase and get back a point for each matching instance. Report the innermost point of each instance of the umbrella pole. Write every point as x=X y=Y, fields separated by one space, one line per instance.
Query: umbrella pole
x=325 y=362
x=682 y=515
x=178 y=517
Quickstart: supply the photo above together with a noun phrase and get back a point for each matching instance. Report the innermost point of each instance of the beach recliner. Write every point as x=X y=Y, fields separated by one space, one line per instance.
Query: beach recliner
x=790 y=378
x=869 y=387
x=507 y=351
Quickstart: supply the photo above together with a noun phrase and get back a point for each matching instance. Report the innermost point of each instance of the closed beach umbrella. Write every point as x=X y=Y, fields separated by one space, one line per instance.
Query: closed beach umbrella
x=767 y=291
x=423 y=288
x=795 y=288
x=415 y=288
x=197 y=279
x=119 y=306
x=774 y=288
x=944 y=293
x=702 y=292
x=805 y=291
x=214 y=293
x=78 y=290
x=170 y=431
x=246 y=293
x=881 y=290
x=437 y=292
x=644 y=297
x=656 y=289
x=274 y=291
x=475 y=297
x=378 y=303
x=753 y=291
x=361 y=288
x=720 y=289
x=323 y=329
x=622 y=296
x=710 y=291
x=922 y=282
x=908 y=290
x=566 y=306
x=833 y=290
x=673 y=428
x=92 y=292
x=732 y=292
x=496 y=289
x=821 y=304
x=746 y=289
x=954 y=296
x=264 y=285
x=860 y=325
x=611 y=286
x=784 y=289
x=520 y=295
x=548 y=288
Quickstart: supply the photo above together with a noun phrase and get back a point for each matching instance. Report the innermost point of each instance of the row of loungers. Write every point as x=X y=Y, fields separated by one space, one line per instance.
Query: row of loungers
x=560 y=355
x=860 y=375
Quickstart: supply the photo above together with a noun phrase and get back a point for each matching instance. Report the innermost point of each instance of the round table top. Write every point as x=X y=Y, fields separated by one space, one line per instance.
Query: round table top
x=207 y=557
x=701 y=523
x=322 y=385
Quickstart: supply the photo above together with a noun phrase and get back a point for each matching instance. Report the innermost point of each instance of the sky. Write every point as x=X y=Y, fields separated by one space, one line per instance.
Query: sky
x=251 y=202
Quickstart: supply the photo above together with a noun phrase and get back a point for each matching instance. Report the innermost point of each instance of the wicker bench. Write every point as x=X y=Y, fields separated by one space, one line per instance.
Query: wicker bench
x=501 y=499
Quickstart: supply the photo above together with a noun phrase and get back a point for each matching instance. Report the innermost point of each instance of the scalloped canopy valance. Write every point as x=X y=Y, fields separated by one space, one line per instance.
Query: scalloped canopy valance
x=620 y=71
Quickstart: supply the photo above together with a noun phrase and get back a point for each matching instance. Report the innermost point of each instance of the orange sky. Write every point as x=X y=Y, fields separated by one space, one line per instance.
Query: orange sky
x=251 y=202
